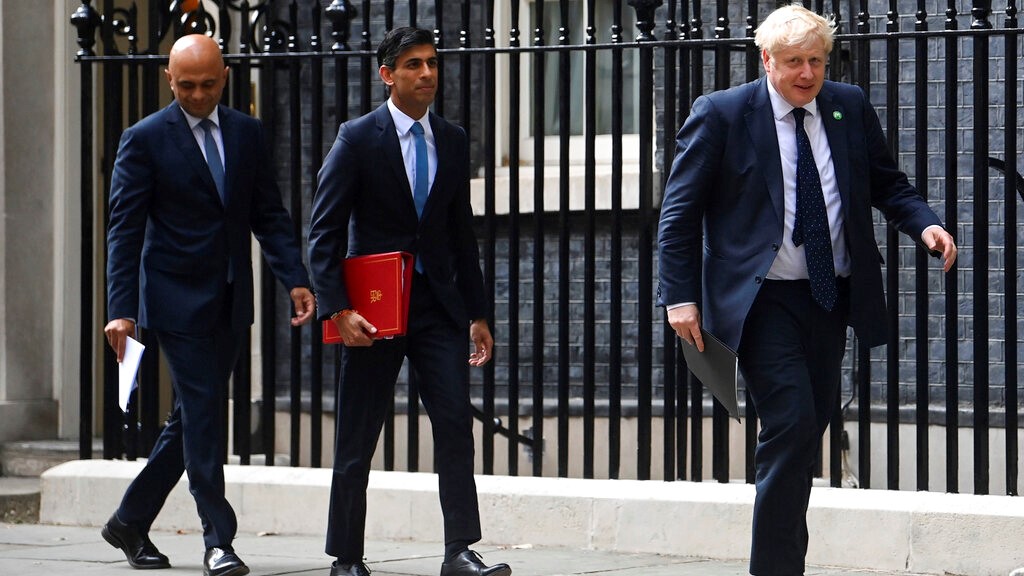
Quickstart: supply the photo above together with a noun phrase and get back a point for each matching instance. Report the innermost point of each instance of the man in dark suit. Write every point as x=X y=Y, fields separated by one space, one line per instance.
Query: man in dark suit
x=397 y=179
x=179 y=263
x=782 y=173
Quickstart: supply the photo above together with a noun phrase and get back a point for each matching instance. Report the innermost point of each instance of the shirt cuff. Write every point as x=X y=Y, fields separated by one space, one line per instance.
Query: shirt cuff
x=927 y=228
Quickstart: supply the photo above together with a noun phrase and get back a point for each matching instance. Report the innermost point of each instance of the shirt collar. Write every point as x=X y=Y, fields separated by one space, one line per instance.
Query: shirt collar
x=194 y=121
x=403 y=122
x=779 y=105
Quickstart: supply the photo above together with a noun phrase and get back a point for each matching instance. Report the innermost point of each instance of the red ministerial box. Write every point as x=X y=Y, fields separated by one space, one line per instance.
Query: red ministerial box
x=378 y=288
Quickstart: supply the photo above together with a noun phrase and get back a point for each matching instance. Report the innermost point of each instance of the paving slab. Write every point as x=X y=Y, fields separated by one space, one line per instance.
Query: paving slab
x=37 y=549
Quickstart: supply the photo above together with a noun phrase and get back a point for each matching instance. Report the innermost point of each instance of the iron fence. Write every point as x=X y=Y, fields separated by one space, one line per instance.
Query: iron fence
x=572 y=133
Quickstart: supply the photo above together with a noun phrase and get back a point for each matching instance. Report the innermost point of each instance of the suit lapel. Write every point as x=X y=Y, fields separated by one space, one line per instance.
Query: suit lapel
x=392 y=152
x=231 y=136
x=832 y=115
x=440 y=146
x=182 y=136
x=761 y=124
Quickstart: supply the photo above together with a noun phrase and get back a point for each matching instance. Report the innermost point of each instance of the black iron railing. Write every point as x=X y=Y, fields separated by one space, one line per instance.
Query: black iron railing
x=588 y=379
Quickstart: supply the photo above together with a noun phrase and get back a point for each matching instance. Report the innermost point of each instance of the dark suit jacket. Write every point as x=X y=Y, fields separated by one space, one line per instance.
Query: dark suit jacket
x=727 y=171
x=363 y=196
x=171 y=239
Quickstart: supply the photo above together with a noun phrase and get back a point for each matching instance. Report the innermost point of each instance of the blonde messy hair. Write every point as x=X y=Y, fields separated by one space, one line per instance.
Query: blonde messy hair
x=794 y=26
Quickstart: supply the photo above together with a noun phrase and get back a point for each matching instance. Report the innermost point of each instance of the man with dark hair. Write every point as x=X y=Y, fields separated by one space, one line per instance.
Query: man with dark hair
x=767 y=241
x=397 y=179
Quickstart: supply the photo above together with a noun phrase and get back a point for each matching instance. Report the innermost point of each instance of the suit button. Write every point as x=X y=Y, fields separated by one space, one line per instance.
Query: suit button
x=775 y=247
x=757 y=279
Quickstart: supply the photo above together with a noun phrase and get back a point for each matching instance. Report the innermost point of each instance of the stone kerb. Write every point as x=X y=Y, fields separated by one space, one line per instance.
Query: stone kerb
x=921 y=532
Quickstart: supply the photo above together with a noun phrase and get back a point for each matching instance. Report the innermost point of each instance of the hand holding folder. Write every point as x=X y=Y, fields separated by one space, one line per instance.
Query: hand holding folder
x=716 y=368
x=378 y=288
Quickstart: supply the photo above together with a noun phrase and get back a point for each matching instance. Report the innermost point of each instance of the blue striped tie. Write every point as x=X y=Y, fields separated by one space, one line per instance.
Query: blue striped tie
x=213 y=158
x=217 y=171
x=810 y=227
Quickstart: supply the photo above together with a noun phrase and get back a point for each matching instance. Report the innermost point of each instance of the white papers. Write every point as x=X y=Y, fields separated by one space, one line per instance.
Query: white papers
x=126 y=371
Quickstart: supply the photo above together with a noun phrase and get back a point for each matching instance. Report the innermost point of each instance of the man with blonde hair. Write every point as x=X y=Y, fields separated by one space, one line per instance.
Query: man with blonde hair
x=766 y=240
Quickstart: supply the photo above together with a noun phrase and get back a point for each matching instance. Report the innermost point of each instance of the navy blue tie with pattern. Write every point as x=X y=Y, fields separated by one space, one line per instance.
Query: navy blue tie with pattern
x=810 y=227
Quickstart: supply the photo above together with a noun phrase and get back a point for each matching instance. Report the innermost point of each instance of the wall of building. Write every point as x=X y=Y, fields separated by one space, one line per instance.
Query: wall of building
x=28 y=407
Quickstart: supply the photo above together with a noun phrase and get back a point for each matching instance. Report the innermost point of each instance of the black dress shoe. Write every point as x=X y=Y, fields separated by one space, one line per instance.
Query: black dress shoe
x=469 y=563
x=357 y=569
x=141 y=553
x=223 y=562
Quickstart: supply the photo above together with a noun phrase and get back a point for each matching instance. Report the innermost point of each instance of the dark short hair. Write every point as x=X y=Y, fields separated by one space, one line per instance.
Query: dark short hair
x=399 y=40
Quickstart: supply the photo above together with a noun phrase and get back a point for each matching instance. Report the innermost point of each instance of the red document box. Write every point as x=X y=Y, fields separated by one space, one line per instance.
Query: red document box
x=378 y=288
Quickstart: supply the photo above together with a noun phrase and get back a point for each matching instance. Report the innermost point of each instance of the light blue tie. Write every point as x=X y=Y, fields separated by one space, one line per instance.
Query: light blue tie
x=422 y=177
x=213 y=158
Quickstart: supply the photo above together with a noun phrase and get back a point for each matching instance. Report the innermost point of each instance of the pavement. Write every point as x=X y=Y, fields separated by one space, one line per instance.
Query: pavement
x=37 y=549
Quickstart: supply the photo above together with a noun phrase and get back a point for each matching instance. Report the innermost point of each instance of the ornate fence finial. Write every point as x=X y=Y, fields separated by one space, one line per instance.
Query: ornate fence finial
x=671 y=25
x=340 y=13
x=293 y=32
x=645 y=17
x=314 y=38
x=86 y=20
x=192 y=18
x=980 y=12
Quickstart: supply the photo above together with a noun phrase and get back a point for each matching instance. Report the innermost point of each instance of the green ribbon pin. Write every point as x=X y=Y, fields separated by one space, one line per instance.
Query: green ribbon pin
x=837 y=115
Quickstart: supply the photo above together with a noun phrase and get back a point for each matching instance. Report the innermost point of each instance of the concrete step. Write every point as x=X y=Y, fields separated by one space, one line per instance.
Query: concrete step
x=867 y=530
x=32 y=458
x=19 y=500
x=29 y=459
x=22 y=463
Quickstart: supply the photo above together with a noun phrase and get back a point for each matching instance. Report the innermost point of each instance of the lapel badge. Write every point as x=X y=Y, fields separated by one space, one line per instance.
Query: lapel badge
x=837 y=115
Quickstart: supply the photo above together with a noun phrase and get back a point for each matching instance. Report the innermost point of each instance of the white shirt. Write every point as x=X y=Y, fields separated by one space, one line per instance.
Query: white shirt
x=200 y=135
x=406 y=142
x=790 y=262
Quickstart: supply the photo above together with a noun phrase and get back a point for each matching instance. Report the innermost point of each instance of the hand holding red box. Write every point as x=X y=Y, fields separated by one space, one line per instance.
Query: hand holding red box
x=378 y=288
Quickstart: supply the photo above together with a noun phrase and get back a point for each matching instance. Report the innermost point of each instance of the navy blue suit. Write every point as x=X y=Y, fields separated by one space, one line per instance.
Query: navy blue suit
x=172 y=246
x=721 y=227
x=364 y=205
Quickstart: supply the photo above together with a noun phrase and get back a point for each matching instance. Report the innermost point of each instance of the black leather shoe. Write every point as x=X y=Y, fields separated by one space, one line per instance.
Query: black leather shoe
x=141 y=553
x=223 y=562
x=469 y=563
x=357 y=569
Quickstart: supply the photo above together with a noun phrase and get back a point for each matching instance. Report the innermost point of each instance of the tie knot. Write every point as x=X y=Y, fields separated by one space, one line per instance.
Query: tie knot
x=206 y=124
x=798 y=113
x=417 y=129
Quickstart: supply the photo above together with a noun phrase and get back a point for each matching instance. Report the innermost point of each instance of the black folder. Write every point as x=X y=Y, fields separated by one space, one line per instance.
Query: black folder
x=716 y=368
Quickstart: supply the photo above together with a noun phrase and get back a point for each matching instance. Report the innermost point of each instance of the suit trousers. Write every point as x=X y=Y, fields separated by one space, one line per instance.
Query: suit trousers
x=192 y=440
x=438 y=353
x=790 y=354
